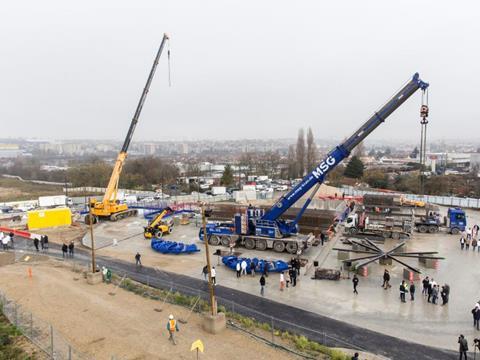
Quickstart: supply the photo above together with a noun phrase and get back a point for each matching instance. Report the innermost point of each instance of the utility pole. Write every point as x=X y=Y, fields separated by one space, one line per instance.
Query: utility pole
x=66 y=184
x=91 y=237
x=213 y=302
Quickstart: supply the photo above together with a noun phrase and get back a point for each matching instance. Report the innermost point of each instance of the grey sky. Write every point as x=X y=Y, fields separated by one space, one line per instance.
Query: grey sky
x=240 y=69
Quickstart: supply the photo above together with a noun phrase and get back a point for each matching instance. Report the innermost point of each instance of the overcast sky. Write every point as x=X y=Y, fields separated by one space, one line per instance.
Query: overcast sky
x=240 y=69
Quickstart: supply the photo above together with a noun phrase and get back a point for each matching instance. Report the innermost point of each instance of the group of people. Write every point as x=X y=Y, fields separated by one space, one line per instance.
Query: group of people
x=241 y=268
x=286 y=278
x=405 y=288
x=290 y=276
x=470 y=237
x=6 y=240
x=432 y=291
x=41 y=242
x=67 y=250
x=213 y=274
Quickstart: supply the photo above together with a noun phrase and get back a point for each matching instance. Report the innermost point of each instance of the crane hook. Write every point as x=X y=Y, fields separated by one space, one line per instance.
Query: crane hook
x=424 y=108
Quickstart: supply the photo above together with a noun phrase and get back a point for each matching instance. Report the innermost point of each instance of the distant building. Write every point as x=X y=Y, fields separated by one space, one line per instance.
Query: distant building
x=10 y=151
x=474 y=160
x=150 y=148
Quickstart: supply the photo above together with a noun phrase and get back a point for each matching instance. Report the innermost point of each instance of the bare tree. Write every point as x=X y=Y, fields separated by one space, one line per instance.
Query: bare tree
x=311 y=150
x=247 y=163
x=359 y=151
x=291 y=163
x=300 y=152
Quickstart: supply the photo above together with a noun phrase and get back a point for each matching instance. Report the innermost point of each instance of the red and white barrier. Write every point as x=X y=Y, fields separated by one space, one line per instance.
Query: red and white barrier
x=21 y=233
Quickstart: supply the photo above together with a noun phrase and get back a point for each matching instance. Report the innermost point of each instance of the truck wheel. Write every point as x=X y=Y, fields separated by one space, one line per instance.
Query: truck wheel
x=249 y=244
x=455 y=231
x=279 y=246
x=158 y=234
x=214 y=240
x=423 y=229
x=225 y=241
x=90 y=218
x=432 y=229
x=395 y=235
x=353 y=230
x=292 y=247
x=387 y=234
x=261 y=244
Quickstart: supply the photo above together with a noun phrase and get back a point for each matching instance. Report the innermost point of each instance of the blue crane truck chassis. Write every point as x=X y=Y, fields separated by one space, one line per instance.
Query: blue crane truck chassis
x=261 y=230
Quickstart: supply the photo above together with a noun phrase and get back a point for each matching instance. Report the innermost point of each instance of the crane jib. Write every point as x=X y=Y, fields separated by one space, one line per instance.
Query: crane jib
x=343 y=150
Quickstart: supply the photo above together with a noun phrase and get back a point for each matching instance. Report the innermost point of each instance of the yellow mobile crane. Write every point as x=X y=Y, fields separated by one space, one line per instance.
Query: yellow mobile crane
x=110 y=207
x=159 y=226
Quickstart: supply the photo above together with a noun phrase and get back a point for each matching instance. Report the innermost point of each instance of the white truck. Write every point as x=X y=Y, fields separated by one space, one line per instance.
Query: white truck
x=54 y=201
x=219 y=190
x=360 y=224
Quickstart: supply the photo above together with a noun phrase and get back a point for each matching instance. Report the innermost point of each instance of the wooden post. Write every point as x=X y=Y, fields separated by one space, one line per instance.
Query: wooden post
x=213 y=305
x=91 y=237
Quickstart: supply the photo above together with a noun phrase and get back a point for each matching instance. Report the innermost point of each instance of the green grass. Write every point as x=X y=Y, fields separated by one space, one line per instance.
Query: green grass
x=8 y=336
x=23 y=190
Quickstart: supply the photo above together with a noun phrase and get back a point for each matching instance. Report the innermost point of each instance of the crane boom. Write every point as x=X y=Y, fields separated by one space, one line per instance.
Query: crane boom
x=340 y=152
x=260 y=230
x=111 y=192
x=109 y=207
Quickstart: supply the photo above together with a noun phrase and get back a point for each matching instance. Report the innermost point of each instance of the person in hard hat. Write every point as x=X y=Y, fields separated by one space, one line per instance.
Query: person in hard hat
x=172 y=327
x=104 y=273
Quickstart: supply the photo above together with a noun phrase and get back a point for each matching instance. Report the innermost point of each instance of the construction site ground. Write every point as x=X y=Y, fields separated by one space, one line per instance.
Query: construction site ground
x=374 y=308
x=283 y=316
x=124 y=325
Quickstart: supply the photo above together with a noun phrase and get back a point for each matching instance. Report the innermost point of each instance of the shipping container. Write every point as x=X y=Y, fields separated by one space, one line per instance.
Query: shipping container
x=39 y=219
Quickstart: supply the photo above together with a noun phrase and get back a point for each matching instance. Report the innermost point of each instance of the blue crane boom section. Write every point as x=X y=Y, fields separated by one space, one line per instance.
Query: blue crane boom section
x=340 y=152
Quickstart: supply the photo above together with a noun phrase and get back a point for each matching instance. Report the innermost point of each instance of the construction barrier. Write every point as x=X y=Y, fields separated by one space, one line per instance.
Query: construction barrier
x=21 y=233
x=363 y=271
x=410 y=275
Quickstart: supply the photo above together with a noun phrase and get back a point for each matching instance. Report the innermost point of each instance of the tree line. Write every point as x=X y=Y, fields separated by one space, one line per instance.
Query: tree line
x=139 y=173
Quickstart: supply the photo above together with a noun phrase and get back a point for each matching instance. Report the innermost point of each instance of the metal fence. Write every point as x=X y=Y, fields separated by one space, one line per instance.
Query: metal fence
x=452 y=201
x=39 y=332
x=270 y=328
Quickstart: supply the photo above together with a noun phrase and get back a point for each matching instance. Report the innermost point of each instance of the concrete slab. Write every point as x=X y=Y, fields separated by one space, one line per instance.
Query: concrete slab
x=374 y=308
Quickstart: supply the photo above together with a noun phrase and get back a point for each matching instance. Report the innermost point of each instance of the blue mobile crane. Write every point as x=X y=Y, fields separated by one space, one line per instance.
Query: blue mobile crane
x=261 y=229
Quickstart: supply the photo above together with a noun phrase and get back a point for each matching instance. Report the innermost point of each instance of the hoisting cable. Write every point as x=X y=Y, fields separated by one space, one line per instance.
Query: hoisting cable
x=169 y=70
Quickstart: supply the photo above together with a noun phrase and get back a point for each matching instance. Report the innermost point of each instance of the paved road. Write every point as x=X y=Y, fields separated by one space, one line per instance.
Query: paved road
x=316 y=327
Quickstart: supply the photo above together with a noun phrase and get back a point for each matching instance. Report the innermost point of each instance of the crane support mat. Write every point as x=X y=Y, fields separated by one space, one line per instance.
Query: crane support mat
x=272 y=266
x=172 y=247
